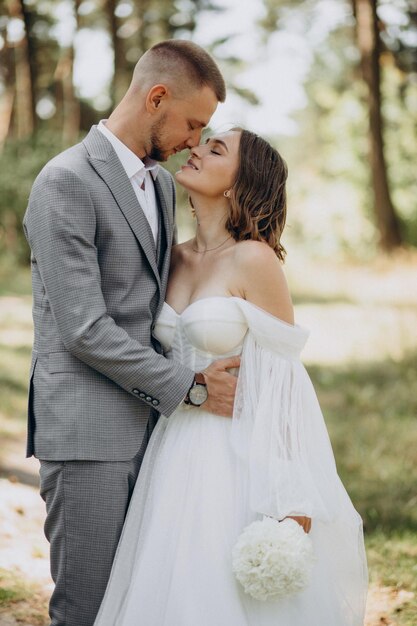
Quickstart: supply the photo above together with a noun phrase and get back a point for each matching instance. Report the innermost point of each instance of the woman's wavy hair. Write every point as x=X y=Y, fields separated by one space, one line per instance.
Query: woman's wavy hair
x=258 y=199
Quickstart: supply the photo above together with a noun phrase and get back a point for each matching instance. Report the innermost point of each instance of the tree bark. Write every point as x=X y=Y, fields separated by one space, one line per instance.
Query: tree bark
x=70 y=103
x=119 y=83
x=31 y=52
x=72 y=114
x=8 y=96
x=24 y=104
x=369 y=46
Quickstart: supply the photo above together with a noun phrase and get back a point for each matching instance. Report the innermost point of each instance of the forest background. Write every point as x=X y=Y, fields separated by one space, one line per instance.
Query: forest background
x=333 y=85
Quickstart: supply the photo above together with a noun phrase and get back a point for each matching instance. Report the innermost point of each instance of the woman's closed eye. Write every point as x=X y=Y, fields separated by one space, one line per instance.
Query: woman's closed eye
x=214 y=152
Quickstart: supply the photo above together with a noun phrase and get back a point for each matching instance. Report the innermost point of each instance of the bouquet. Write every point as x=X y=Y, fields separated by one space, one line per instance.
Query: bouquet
x=273 y=559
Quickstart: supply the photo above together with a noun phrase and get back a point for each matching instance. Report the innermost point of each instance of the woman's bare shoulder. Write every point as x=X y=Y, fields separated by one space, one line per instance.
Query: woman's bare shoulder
x=249 y=252
x=263 y=279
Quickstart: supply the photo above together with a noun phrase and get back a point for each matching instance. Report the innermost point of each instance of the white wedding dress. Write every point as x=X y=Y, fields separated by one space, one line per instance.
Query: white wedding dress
x=204 y=478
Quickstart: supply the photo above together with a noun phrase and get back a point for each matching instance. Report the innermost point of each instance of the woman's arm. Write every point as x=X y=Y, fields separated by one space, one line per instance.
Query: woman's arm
x=264 y=284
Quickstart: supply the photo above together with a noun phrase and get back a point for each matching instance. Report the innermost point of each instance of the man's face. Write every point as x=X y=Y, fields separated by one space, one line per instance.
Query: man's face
x=180 y=125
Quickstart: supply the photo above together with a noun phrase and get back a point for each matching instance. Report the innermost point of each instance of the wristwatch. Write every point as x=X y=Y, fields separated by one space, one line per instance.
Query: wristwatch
x=197 y=394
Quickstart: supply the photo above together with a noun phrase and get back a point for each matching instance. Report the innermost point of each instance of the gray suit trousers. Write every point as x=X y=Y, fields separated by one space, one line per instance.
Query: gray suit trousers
x=86 y=503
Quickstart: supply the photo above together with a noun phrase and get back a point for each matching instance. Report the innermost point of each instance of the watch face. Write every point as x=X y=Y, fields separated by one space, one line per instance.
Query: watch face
x=198 y=394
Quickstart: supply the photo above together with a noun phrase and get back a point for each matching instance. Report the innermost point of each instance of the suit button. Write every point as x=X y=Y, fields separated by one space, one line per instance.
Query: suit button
x=155 y=402
x=141 y=395
x=148 y=398
x=135 y=391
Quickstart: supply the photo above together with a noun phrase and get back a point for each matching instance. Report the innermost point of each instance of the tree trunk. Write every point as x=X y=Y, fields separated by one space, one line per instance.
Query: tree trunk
x=31 y=51
x=8 y=95
x=119 y=83
x=70 y=103
x=142 y=6
x=369 y=46
x=23 y=103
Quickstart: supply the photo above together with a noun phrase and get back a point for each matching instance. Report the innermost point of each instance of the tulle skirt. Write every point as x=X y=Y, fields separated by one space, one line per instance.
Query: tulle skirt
x=173 y=565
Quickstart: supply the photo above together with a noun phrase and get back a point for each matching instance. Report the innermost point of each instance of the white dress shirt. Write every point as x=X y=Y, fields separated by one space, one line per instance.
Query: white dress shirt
x=140 y=174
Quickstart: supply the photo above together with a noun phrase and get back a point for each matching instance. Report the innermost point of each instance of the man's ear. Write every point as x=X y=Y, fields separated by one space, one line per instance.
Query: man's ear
x=156 y=95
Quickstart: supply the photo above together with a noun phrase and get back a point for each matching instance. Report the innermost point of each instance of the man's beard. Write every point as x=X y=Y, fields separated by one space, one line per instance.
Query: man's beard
x=157 y=153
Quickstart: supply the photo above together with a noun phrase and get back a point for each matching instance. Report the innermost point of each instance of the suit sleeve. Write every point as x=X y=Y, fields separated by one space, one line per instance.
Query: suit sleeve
x=60 y=226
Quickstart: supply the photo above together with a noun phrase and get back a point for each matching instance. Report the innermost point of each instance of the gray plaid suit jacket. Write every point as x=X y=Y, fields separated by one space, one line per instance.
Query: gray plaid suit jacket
x=97 y=375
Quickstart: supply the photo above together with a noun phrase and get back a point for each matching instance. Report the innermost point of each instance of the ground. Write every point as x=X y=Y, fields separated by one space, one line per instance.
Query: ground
x=362 y=358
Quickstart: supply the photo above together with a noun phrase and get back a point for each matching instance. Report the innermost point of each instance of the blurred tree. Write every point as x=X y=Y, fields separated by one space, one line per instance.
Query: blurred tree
x=68 y=103
x=28 y=55
x=119 y=80
x=336 y=93
x=368 y=41
x=18 y=39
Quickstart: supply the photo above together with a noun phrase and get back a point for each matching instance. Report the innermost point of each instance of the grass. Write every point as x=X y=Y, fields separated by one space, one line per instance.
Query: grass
x=392 y=559
x=24 y=601
x=14 y=279
x=14 y=371
x=12 y=589
x=370 y=410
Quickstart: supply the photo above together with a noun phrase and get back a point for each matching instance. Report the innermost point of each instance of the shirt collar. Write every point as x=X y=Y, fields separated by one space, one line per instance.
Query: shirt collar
x=131 y=163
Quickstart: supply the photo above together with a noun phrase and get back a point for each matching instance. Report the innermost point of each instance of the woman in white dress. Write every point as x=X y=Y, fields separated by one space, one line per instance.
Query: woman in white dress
x=206 y=477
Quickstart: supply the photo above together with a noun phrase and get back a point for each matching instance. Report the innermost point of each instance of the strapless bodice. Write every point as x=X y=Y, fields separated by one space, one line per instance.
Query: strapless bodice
x=208 y=329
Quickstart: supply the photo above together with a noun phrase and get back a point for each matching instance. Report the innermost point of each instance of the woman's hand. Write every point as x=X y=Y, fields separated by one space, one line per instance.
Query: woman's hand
x=305 y=522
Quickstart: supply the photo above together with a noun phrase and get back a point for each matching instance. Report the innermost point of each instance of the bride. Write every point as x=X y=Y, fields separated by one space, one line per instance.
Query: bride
x=206 y=477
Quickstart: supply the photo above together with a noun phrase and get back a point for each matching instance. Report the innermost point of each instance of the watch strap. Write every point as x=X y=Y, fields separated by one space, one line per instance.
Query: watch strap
x=198 y=380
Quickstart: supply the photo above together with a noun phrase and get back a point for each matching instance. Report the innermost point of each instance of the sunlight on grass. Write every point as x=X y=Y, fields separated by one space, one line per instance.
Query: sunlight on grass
x=26 y=603
x=370 y=412
x=14 y=279
x=14 y=372
x=392 y=560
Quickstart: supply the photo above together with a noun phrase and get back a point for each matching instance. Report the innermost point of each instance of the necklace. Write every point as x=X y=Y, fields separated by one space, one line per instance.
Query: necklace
x=210 y=249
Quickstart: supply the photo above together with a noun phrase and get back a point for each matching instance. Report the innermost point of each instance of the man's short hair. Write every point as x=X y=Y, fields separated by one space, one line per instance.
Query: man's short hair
x=182 y=61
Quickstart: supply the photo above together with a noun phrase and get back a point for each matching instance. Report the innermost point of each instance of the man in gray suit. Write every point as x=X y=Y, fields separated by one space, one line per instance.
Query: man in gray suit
x=100 y=223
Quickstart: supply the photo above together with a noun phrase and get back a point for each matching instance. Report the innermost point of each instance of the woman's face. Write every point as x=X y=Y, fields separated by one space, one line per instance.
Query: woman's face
x=212 y=166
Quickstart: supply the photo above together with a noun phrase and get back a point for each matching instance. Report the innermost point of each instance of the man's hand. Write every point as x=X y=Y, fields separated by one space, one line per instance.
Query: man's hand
x=221 y=386
x=305 y=522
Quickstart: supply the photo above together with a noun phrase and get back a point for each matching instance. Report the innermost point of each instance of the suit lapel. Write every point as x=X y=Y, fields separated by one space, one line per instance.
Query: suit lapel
x=108 y=167
x=164 y=198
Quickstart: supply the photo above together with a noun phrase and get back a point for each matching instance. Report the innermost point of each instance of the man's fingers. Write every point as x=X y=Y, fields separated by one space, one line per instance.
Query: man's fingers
x=232 y=361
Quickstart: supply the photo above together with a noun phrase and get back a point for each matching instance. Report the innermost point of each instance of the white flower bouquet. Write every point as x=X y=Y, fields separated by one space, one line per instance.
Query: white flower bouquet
x=273 y=559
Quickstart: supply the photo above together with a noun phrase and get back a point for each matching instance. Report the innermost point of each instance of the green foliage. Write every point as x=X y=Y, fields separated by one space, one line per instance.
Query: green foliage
x=332 y=192
x=10 y=590
x=370 y=411
x=21 y=600
x=14 y=279
x=399 y=549
x=20 y=163
x=392 y=561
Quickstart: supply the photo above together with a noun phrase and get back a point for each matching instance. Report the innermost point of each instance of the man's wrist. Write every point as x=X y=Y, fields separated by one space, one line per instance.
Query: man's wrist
x=197 y=393
x=199 y=378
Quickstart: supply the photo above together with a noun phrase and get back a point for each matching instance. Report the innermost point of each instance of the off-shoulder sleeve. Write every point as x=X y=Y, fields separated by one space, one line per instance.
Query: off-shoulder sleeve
x=278 y=430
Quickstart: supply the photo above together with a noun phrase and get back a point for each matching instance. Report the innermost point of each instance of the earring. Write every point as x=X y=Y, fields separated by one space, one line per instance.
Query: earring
x=226 y=193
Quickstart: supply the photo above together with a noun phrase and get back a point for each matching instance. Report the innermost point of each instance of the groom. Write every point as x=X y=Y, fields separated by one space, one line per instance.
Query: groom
x=100 y=223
